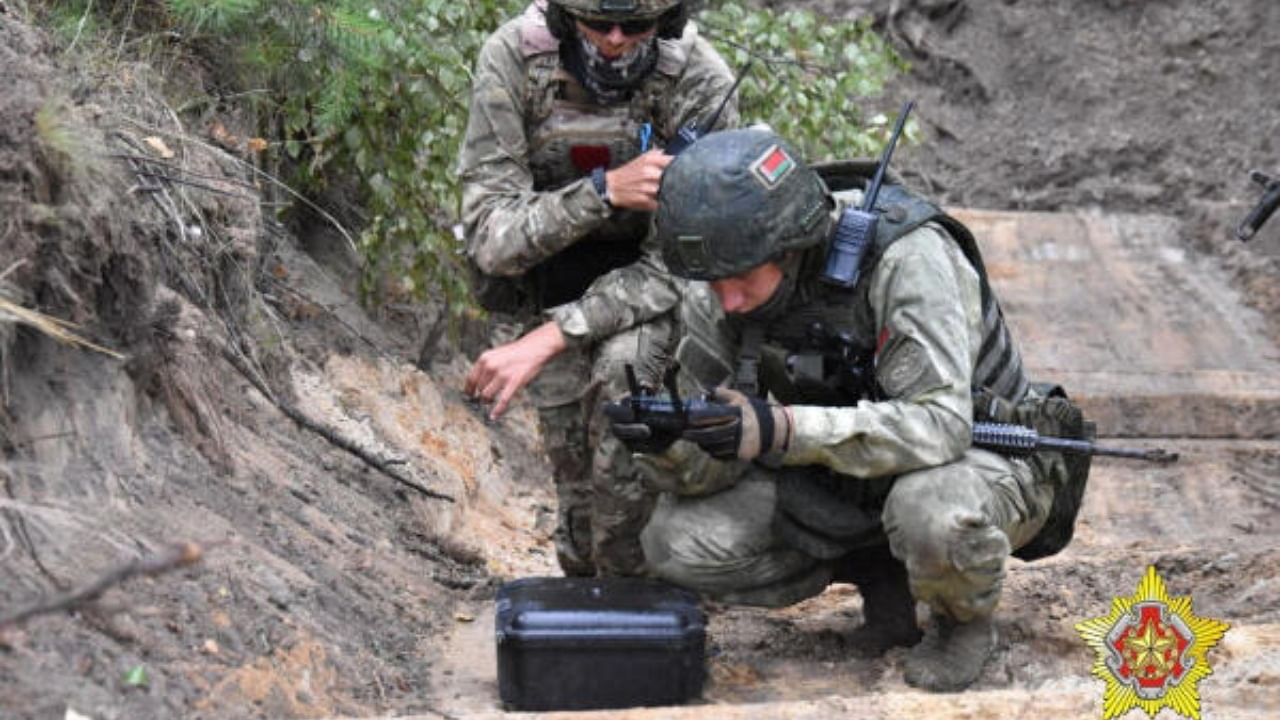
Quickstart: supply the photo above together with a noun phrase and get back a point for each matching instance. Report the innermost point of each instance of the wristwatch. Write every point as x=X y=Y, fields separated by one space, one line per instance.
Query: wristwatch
x=601 y=186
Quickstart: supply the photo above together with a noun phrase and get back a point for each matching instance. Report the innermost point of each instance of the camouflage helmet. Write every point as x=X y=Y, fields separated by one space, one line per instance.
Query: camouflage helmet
x=617 y=9
x=737 y=199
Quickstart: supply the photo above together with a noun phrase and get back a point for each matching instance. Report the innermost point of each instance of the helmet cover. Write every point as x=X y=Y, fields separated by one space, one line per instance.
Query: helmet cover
x=735 y=200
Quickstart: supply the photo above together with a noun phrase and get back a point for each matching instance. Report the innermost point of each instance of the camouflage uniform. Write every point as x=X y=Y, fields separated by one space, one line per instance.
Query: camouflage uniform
x=951 y=514
x=532 y=214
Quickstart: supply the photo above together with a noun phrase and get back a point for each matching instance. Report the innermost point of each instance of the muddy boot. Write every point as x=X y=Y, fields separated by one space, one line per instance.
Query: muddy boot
x=888 y=609
x=952 y=654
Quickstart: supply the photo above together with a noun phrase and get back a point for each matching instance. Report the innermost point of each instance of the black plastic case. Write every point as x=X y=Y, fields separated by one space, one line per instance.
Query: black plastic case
x=588 y=643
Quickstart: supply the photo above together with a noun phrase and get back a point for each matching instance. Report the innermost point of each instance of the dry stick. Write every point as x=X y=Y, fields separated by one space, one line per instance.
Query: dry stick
x=11 y=268
x=20 y=527
x=173 y=557
x=351 y=243
x=55 y=328
x=194 y=184
x=332 y=313
x=80 y=27
x=380 y=464
x=184 y=171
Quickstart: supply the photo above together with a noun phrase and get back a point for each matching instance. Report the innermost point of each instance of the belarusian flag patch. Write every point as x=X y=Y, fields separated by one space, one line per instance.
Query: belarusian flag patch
x=773 y=165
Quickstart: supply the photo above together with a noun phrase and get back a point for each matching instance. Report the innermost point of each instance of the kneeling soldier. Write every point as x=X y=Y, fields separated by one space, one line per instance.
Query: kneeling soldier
x=836 y=443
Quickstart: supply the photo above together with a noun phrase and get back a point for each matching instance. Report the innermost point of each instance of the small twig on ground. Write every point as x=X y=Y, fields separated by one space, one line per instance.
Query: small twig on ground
x=177 y=168
x=11 y=268
x=124 y=32
x=296 y=415
x=39 y=438
x=192 y=183
x=176 y=556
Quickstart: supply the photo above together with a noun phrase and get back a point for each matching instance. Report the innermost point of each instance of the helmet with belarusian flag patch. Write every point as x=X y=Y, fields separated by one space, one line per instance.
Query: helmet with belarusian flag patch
x=735 y=200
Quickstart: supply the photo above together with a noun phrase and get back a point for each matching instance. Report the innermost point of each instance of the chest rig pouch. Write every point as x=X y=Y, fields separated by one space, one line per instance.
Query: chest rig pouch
x=815 y=356
x=569 y=136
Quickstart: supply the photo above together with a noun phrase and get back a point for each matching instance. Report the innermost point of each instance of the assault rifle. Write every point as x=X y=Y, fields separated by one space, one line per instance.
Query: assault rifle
x=1021 y=441
x=669 y=415
x=1265 y=207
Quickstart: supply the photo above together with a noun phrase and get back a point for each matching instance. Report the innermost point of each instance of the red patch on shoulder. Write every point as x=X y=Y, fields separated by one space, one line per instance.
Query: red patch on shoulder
x=589 y=157
x=882 y=339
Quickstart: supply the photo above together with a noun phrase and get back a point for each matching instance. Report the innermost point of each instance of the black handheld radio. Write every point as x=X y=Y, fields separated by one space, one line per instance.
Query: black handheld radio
x=857 y=227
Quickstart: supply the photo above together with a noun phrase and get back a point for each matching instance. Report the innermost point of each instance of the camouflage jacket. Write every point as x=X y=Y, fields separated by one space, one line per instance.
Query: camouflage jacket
x=524 y=203
x=920 y=311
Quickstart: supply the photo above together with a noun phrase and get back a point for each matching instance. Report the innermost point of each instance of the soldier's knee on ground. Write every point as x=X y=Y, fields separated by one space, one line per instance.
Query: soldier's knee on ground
x=938 y=527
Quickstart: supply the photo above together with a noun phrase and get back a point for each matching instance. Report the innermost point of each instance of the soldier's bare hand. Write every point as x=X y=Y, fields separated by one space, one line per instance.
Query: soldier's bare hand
x=634 y=186
x=499 y=373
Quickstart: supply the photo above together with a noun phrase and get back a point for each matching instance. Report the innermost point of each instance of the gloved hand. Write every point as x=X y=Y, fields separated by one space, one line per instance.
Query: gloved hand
x=637 y=436
x=734 y=425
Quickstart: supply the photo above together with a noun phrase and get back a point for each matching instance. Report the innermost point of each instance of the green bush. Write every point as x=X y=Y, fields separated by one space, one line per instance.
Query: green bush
x=816 y=75
x=377 y=91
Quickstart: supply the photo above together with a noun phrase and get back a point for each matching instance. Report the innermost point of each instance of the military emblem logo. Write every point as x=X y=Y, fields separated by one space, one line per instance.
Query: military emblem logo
x=772 y=166
x=1151 y=651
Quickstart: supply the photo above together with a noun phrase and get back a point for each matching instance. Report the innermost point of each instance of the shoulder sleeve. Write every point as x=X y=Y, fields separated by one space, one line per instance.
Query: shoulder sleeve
x=702 y=86
x=927 y=305
x=510 y=227
x=620 y=299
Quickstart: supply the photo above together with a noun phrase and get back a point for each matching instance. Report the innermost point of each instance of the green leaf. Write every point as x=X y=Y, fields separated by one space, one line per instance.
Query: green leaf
x=137 y=677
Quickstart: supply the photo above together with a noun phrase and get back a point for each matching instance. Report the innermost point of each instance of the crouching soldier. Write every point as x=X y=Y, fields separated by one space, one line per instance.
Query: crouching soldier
x=835 y=445
x=572 y=104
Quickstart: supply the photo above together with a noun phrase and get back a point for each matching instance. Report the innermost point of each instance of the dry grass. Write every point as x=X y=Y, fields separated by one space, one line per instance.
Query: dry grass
x=59 y=330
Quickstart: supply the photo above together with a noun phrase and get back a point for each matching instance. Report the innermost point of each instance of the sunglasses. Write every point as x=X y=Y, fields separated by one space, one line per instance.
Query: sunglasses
x=628 y=27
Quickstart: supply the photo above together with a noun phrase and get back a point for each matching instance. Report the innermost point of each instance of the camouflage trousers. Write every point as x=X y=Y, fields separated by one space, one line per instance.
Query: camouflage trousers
x=602 y=503
x=952 y=526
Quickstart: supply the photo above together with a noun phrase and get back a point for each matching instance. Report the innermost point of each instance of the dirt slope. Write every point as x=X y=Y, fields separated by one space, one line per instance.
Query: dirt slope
x=324 y=579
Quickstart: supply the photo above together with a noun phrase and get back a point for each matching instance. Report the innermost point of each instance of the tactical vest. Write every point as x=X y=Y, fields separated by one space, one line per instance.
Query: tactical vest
x=800 y=359
x=822 y=351
x=569 y=135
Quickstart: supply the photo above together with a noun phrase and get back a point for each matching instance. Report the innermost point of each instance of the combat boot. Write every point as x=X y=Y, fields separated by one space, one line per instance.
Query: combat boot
x=888 y=609
x=952 y=654
x=573 y=544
